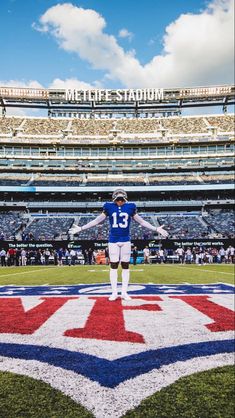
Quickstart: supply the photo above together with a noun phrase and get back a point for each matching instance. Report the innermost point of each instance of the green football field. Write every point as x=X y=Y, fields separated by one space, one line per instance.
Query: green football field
x=155 y=273
x=208 y=394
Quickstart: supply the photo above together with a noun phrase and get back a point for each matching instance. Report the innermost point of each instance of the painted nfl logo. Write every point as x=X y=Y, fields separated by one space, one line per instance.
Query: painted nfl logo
x=75 y=339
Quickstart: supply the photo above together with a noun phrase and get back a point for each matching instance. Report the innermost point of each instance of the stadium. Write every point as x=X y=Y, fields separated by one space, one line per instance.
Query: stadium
x=58 y=170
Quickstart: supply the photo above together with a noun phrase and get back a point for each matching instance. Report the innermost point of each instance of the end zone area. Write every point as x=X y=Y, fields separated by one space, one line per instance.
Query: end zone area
x=167 y=352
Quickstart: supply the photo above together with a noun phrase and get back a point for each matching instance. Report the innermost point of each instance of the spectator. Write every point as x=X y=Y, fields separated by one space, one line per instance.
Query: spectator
x=55 y=255
x=60 y=254
x=90 y=256
x=18 y=257
x=188 y=256
x=222 y=254
x=43 y=260
x=161 y=256
x=146 y=253
x=106 y=254
x=3 y=257
x=86 y=256
x=47 y=255
x=180 y=253
x=23 y=257
x=230 y=251
x=135 y=255
x=12 y=256
x=73 y=256
x=67 y=258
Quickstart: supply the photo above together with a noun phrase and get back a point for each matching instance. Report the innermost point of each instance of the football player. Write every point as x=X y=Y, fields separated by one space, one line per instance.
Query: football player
x=120 y=212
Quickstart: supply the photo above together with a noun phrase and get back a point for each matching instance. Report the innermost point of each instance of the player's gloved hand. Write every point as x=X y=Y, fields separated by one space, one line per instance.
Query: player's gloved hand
x=162 y=231
x=75 y=230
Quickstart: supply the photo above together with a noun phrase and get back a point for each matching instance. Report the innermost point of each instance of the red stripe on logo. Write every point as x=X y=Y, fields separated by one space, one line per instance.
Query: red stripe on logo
x=106 y=321
x=223 y=317
x=14 y=319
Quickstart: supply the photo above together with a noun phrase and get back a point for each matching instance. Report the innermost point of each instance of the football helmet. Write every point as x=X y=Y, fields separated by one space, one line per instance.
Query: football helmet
x=119 y=193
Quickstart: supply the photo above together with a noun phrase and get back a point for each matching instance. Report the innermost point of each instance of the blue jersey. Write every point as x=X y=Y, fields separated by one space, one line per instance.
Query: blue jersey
x=119 y=219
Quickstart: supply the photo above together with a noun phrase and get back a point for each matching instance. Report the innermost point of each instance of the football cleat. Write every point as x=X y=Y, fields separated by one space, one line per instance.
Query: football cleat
x=113 y=297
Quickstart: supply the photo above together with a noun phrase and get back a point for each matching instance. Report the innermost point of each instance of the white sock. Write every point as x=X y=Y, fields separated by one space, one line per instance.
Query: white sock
x=125 y=280
x=113 y=274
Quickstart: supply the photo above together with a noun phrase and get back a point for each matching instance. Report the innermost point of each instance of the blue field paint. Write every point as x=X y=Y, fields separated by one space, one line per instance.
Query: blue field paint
x=112 y=373
x=104 y=289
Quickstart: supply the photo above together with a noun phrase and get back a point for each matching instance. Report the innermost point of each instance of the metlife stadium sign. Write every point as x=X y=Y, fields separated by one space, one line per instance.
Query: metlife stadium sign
x=126 y=95
x=122 y=95
x=116 y=101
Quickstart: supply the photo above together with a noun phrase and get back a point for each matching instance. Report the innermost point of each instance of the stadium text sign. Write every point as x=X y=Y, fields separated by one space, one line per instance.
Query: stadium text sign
x=126 y=95
x=111 y=95
x=73 y=338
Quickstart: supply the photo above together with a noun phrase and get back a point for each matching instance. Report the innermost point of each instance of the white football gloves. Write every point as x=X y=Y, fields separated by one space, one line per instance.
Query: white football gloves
x=162 y=231
x=74 y=230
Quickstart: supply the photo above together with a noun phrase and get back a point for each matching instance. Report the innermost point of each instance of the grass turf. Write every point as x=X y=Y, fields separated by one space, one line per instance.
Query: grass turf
x=206 y=394
x=22 y=396
x=167 y=274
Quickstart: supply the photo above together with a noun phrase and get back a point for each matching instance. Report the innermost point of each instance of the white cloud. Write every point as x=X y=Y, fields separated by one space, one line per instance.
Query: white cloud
x=21 y=83
x=124 y=33
x=82 y=31
x=197 y=48
x=70 y=83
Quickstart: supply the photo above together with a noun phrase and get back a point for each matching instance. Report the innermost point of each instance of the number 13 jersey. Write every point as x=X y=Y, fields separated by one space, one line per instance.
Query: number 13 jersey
x=119 y=219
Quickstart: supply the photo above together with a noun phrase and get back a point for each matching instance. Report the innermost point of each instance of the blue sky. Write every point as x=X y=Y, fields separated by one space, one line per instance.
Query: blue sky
x=116 y=43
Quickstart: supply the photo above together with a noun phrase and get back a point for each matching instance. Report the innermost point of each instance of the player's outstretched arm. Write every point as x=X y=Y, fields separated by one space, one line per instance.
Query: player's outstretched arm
x=76 y=228
x=146 y=224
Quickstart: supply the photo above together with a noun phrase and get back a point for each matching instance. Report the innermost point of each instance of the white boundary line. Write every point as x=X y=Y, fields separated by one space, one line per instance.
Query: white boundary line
x=191 y=268
x=26 y=272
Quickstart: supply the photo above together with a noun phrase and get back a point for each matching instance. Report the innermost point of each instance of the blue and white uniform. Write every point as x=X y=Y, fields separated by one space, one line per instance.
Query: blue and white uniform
x=120 y=220
x=119 y=235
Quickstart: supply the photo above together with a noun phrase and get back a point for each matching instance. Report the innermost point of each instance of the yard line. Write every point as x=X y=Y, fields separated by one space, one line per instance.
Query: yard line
x=191 y=268
x=25 y=272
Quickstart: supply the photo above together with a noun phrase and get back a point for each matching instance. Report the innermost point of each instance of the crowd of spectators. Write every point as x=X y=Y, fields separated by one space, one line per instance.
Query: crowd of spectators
x=23 y=257
x=48 y=228
x=10 y=223
x=76 y=180
x=193 y=255
x=72 y=257
x=181 y=227
x=104 y=127
x=222 y=222
x=215 y=223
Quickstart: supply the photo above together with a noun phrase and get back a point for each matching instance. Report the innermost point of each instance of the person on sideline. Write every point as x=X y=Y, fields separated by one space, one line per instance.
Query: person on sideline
x=146 y=253
x=134 y=255
x=120 y=212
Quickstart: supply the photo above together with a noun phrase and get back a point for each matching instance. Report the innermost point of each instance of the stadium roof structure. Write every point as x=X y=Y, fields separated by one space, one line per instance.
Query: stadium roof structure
x=124 y=101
